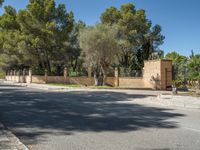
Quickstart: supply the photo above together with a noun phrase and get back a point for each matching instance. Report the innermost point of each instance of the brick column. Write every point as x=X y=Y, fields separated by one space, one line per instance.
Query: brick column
x=11 y=75
x=18 y=76
x=46 y=76
x=65 y=75
x=30 y=76
x=116 y=77
x=15 y=74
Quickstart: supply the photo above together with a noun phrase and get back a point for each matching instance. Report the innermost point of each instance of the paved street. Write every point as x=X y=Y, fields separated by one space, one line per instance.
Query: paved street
x=93 y=120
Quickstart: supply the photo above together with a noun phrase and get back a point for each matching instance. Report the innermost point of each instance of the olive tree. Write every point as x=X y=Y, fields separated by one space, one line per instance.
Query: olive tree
x=99 y=48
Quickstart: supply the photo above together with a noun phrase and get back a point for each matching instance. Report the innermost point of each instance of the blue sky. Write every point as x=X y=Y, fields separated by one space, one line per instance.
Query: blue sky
x=180 y=19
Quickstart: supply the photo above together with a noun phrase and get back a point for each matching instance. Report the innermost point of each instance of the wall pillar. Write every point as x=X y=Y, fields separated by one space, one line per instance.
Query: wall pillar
x=116 y=77
x=15 y=74
x=30 y=76
x=46 y=76
x=65 y=75
x=18 y=76
x=158 y=74
x=11 y=75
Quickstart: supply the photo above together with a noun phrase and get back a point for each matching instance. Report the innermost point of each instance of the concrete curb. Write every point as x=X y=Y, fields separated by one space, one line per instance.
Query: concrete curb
x=14 y=141
x=166 y=99
x=42 y=86
x=179 y=101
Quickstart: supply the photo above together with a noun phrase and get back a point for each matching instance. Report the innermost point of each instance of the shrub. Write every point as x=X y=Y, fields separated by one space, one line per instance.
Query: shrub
x=2 y=75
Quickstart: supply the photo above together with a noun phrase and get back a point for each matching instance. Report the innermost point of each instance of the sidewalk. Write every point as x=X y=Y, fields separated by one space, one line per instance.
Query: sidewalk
x=9 y=141
x=179 y=101
x=43 y=86
x=66 y=88
x=164 y=98
x=172 y=101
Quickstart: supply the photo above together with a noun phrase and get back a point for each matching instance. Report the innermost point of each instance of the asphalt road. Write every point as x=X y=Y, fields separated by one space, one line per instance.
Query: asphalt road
x=96 y=121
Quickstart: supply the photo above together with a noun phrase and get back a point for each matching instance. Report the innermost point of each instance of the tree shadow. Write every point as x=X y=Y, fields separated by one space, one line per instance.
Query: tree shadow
x=31 y=114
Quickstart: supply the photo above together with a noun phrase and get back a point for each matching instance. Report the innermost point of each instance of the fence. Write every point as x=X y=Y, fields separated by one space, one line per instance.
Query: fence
x=157 y=75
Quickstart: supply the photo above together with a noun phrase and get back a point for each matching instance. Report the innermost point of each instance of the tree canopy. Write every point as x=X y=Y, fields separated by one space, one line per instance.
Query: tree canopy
x=38 y=36
x=138 y=39
x=99 y=47
x=45 y=37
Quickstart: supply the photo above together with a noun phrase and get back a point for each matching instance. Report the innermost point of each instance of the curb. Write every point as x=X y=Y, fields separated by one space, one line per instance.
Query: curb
x=13 y=139
x=169 y=100
x=162 y=99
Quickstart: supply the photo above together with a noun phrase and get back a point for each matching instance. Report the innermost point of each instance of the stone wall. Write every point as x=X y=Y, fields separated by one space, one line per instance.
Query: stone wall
x=130 y=82
x=86 y=81
x=157 y=75
x=38 y=79
x=55 y=79
x=152 y=72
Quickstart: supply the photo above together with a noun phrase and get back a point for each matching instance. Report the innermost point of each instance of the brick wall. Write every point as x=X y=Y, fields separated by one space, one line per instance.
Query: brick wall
x=157 y=75
x=87 y=81
x=130 y=82
x=152 y=72
x=55 y=79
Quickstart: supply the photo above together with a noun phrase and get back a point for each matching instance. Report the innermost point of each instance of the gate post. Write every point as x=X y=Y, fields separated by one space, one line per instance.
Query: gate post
x=30 y=76
x=116 y=77
x=46 y=76
x=18 y=76
x=65 y=75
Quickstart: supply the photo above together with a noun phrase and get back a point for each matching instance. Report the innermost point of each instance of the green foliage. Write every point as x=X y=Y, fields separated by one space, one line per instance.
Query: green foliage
x=73 y=53
x=2 y=75
x=49 y=27
x=185 y=68
x=44 y=36
x=179 y=67
x=194 y=67
x=99 y=48
x=137 y=39
x=110 y=16
x=73 y=74
x=67 y=85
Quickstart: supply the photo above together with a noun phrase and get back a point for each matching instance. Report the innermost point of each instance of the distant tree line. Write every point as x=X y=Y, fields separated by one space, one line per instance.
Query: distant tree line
x=45 y=36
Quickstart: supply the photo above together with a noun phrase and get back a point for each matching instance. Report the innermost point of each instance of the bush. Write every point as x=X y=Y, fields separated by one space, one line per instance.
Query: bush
x=2 y=75
x=178 y=83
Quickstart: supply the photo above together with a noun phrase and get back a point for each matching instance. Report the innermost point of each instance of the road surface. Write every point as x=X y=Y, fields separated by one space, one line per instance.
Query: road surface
x=84 y=120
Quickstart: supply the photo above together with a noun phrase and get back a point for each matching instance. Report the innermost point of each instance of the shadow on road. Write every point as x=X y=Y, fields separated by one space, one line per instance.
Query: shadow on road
x=32 y=114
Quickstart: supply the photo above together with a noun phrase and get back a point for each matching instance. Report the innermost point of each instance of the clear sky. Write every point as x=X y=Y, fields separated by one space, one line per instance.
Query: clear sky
x=180 y=19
